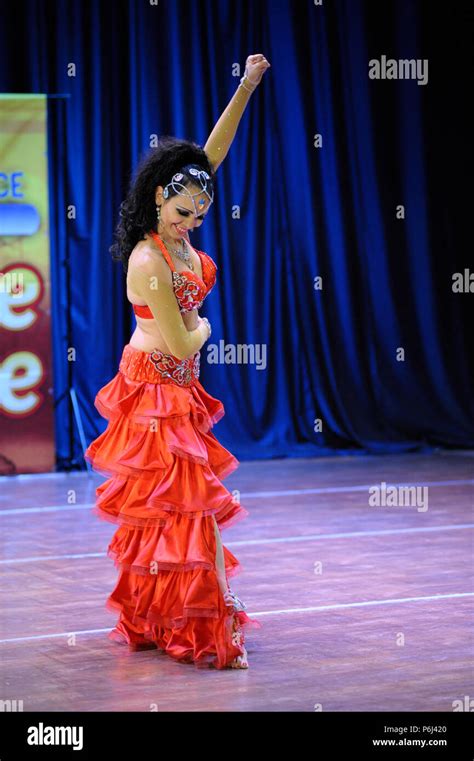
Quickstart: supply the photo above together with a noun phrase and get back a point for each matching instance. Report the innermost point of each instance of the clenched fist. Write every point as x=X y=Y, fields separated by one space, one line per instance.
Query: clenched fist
x=255 y=67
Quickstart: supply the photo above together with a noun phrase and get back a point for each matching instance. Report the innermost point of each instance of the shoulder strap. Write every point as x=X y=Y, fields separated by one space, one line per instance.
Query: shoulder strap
x=160 y=243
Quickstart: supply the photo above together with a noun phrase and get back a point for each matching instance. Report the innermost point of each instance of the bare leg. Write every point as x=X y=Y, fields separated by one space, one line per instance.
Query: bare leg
x=241 y=660
x=220 y=565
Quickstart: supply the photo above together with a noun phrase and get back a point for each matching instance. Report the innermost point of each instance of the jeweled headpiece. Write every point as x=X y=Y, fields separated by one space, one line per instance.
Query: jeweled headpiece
x=200 y=178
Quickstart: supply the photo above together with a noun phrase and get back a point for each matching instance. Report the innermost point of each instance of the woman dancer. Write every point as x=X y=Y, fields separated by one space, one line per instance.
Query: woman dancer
x=163 y=463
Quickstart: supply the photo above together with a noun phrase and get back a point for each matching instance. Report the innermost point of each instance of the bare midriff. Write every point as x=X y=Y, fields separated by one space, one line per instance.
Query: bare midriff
x=147 y=335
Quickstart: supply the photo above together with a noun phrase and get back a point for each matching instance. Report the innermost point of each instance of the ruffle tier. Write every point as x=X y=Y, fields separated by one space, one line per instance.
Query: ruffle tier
x=164 y=490
x=181 y=613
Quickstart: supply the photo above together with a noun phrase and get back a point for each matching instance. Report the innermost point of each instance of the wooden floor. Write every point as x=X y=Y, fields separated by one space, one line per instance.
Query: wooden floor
x=362 y=607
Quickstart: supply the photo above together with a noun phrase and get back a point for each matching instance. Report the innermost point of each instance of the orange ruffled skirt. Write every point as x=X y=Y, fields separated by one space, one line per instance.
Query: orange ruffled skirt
x=164 y=468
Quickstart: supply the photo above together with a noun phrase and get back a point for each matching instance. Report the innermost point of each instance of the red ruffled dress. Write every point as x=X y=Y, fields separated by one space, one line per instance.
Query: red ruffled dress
x=164 y=468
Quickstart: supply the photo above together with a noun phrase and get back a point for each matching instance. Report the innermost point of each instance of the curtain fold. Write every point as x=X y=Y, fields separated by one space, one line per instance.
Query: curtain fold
x=381 y=354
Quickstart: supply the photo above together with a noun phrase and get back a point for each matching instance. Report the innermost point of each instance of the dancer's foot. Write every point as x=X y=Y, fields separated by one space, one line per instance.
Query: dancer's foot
x=241 y=661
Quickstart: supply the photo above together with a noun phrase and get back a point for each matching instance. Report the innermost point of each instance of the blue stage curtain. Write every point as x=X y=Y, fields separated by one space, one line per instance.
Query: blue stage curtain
x=305 y=212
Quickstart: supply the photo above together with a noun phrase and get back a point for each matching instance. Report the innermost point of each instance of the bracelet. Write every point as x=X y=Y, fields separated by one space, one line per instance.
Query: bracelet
x=241 y=84
x=204 y=319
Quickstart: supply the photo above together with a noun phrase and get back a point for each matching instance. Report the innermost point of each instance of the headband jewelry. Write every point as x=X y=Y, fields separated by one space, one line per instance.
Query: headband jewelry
x=201 y=176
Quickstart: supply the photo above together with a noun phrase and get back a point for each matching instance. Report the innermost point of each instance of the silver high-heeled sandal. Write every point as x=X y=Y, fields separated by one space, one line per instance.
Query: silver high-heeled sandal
x=231 y=599
x=240 y=661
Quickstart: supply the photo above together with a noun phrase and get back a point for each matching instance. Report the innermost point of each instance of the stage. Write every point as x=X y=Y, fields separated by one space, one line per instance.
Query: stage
x=363 y=606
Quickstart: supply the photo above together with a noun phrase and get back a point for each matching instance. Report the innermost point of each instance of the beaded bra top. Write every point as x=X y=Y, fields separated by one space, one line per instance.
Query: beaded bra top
x=189 y=289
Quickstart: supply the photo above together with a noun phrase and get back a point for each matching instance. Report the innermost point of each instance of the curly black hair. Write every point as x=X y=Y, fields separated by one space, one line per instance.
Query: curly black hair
x=157 y=167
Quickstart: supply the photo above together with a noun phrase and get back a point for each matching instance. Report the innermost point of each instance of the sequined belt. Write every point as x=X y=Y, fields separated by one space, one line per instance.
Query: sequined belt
x=183 y=372
x=158 y=367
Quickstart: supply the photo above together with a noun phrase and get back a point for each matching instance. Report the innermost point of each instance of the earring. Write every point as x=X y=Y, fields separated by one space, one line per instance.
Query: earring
x=158 y=216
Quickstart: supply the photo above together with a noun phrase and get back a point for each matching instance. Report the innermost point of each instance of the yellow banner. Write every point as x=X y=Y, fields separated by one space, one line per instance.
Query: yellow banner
x=26 y=400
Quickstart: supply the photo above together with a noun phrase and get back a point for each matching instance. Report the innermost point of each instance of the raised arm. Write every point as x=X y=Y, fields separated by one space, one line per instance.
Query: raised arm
x=220 y=139
x=151 y=280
